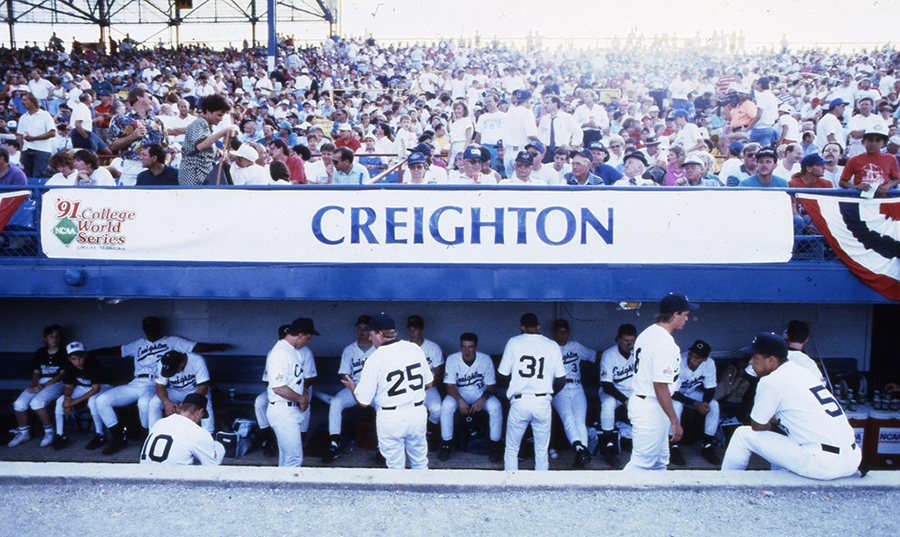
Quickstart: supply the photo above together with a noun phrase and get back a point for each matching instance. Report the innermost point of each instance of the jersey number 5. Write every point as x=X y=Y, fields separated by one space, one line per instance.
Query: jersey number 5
x=156 y=452
x=833 y=412
x=530 y=365
x=401 y=376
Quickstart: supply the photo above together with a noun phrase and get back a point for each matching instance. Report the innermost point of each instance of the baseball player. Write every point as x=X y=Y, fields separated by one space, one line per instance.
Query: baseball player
x=471 y=387
x=535 y=369
x=82 y=383
x=45 y=388
x=797 y=335
x=179 y=439
x=394 y=379
x=570 y=403
x=288 y=365
x=657 y=365
x=146 y=353
x=178 y=375
x=261 y=405
x=819 y=443
x=415 y=326
x=616 y=377
x=352 y=361
x=697 y=393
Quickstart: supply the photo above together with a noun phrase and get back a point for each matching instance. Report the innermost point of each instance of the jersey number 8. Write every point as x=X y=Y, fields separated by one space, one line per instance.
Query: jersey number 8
x=409 y=375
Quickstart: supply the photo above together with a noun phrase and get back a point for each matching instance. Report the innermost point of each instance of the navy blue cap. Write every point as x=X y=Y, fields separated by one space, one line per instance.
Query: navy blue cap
x=651 y=140
x=381 y=322
x=638 y=155
x=813 y=159
x=529 y=320
x=471 y=153
x=768 y=344
x=598 y=145
x=416 y=158
x=170 y=363
x=521 y=95
x=537 y=145
x=364 y=320
x=525 y=157
x=680 y=113
x=586 y=153
x=423 y=148
x=767 y=152
x=415 y=321
x=836 y=102
x=700 y=348
x=303 y=325
x=676 y=302
x=199 y=400
x=736 y=147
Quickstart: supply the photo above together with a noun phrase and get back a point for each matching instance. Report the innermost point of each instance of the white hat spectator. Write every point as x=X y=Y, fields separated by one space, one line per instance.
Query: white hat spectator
x=246 y=152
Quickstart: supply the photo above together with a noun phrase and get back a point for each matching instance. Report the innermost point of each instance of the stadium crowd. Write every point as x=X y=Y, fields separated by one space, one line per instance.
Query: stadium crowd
x=353 y=111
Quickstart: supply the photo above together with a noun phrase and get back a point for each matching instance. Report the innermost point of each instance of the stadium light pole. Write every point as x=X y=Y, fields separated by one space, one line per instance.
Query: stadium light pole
x=272 y=40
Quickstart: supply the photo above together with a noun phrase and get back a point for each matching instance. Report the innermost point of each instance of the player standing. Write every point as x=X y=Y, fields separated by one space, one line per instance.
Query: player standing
x=415 y=326
x=394 y=379
x=616 y=378
x=261 y=406
x=179 y=439
x=535 y=369
x=819 y=443
x=657 y=363
x=570 y=402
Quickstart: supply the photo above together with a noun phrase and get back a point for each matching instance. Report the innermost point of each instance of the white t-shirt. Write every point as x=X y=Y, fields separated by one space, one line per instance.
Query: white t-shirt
x=146 y=354
x=793 y=127
x=768 y=103
x=458 y=129
x=859 y=122
x=656 y=359
x=178 y=440
x=490 y=125
x=694 y=382
x=829 y=124
x=532 y=362
x=800 y=358
x=805 y=408
x=572 y=355
x=688 y=137
x=353 y=359
x=617 y=369
x=36 y=124
x=470 y=380
x=394 y=375
x=532 y=181
x=518 y=125
x=253 y=174
x=193 y=374
x=82 y=113
x=547 y=175
x=583 y=115
x=286 y=366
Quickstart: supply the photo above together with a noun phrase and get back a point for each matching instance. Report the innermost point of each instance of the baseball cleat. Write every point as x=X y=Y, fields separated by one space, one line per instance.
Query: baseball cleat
x=676 y=457
x=47 y=441
x=444 y=454
x=496 y=452
x=582 y=457
x=20 y=438
x=611 y=459
x=60 y=442
x=709 y=453
x=96 y=442
x=115 y=445
x=335 y=450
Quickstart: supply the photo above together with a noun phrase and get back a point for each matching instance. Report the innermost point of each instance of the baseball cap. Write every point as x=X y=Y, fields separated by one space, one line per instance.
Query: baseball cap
x=364 y=320
x=598 y=145
x=303 y=325
x=471 y=153
x=895 y=139
x=283 y=330
x=675 y=302
x=103 y=92
x=693 y=159
x=416 y=158
x=485 y=154
x=560 y=323
x=766 y=152
x=537 y=145
x=529 y=319
x=879 y=129
x=415 y=321
x=423 y=148
x=651 y=140
x=170 y=362
x=285 y=125
x=769 y=344
x=525 y=157
x=381 y=322
x=75 y=347
x=345 y=127
x=23 y=88
x=638 y=155
x=197 y=399
x=786 y=108
x=736 y=147
x=700 y=348
x=836 y=102
x=521 y=95
x=813 y=159
x=586 y=153
x=680 y=113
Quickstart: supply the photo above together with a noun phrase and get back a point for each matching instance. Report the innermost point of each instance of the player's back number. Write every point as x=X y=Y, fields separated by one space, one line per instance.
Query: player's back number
x=157 y=448
x=529 y=367
x=403 y=380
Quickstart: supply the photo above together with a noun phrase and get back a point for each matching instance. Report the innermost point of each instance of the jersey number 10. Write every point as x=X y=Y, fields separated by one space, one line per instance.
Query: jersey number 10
x=530 y=366
x=153 y=449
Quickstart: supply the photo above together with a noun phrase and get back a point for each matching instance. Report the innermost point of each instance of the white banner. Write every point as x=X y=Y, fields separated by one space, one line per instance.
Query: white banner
x=431 y=226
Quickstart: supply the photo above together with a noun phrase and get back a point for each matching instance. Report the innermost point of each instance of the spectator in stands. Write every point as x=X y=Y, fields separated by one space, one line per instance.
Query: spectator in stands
x=635 y=166
x=524 y=163
x=198 y=151
x=321 y=172
x=64 y=165
x=134 y=130
x=829 y=128
x=90 y=173
x=694 y=173
x=10 y=175
x=346 y=170
x=83 y=124
x=858 y=125
x=762 y=128
x=279 y=151
x=157 y=172
x=417 y=165
x=674 y=170
x=787 y=126
x=103 y=113
x=245 y=170
x=35 y=131
x=812 y=170
x=790 y=164
x=748 y=167
x=601 y=169
x=872 y=169
x=833 y=153
x=766 y=159
x=346 y=138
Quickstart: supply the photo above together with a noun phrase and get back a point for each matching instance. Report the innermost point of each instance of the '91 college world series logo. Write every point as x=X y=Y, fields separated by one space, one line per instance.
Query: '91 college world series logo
x=90 y=228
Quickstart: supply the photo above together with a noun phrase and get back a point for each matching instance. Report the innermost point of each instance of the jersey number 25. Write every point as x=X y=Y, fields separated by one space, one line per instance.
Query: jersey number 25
x=414 y=380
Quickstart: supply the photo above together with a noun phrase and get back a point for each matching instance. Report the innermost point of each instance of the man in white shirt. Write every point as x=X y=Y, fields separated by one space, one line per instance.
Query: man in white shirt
x=519 y=128
x=790 y=164
x=557 y=128
x=859 y=124
x=245 y=170
x=489 y=127
x=616 y=379
x=524 y=164
x=657 y=364
x=697 y=393
x=179 y=439
x=819 y=442
x=762 y=128
x=40 y=87
x=35 y=132
x=787 y=125
x=82 y=122
x=829 y=128
x=688 y=136
x=592 y=118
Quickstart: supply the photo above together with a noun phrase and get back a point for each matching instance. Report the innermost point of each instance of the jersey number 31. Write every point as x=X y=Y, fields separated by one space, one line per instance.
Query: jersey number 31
x=530 y=365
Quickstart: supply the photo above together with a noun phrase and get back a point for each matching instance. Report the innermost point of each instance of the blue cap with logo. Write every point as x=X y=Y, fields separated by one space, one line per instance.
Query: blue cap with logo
x=472 y=153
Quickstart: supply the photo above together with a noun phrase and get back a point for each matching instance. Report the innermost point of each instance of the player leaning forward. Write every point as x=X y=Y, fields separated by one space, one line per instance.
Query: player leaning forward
x=394 y=379
x=819 y=443
x=657 y=363
x=179 y=438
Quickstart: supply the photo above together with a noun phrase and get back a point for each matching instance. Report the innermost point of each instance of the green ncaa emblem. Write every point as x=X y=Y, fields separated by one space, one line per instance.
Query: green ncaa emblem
x=65 y=231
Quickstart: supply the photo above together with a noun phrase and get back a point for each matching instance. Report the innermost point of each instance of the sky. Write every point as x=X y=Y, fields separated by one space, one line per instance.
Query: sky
x=803 y=22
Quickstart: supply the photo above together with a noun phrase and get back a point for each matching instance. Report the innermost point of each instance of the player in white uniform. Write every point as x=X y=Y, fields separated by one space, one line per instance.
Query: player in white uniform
x=535 y=369
x=178 y=375
x=47 y=368
x=394 y=379
x=471 y=387
x=82 y=382
x=570 y=403
x=657 y=364
x=179 y=439
x=353 y=358
x=288 y=365
x=697 y=393
x=415 y=326
x=797 y=336
x=819 y=443
x=616 y=378
x=261 y=406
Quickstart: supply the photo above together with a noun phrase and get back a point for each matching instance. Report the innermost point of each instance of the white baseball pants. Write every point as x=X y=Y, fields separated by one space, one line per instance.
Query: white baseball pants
x=491 y=406
x=401 y=434
x=808 y=460
x=711 y=423
x=433 y=404
x=287 y=422
x=340 y=402
x=571 y=405
x=139 y=390
x=156 y=407
x=261 y=406
x=78 y=391
x=650 y=430
x=536 y=411
x=39 y=400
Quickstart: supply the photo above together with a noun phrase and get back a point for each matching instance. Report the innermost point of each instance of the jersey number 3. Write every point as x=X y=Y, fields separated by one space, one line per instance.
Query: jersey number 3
x=401 y=376
x=157 y=449
x=530 y=365
x=833 y=412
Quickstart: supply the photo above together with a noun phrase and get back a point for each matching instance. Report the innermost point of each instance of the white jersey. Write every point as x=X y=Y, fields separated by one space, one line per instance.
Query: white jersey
x=805 y=408
x=572 y=355
x=146 y=354
x=470 y=380
x=433 y=353
x=394 y=375
x=656 y=359
x=178 y=440
x=286 y=366
x=617 y=369
x=353 y=359
x=800 y=358
x=193 y=374
x=694 y=382
x=532 y=362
